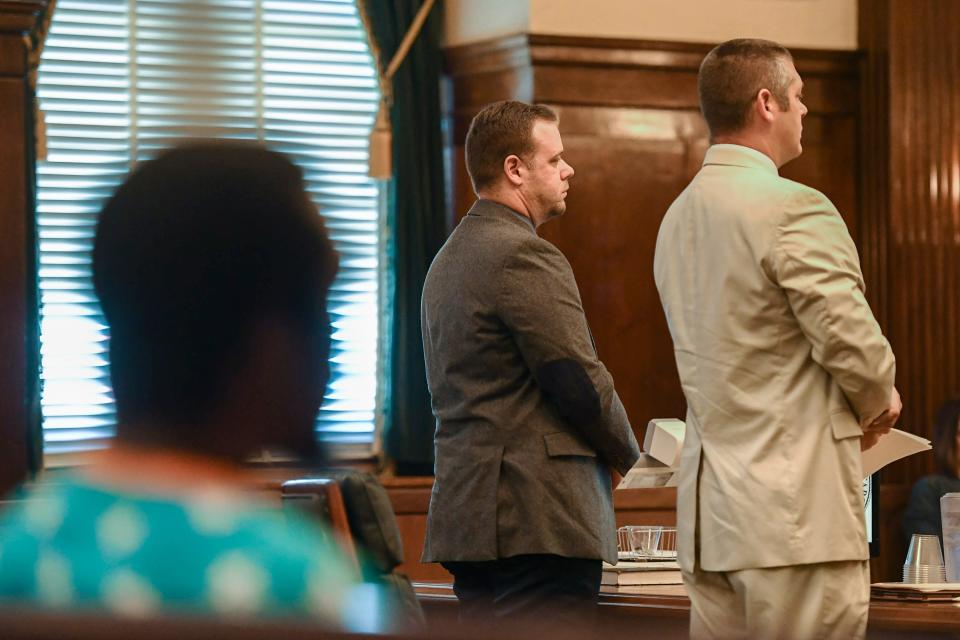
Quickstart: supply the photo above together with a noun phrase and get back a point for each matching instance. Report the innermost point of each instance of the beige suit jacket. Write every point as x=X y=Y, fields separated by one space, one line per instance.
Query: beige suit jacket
x=781 y=362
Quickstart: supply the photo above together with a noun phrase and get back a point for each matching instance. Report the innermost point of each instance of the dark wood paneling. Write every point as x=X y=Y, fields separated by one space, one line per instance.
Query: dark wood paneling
x=911 y=185
x=12 y=58
x=875 y=136
x=924 y=208
x=888 y=566
x=410 y=498
x=16 y=240
x=633 y=132
x=13 y=282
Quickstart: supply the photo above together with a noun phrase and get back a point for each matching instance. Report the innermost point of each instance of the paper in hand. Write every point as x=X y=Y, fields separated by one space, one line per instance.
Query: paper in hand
x=891 y=447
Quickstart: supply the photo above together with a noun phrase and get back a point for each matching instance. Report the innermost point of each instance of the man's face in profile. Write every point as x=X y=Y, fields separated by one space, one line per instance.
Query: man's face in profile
x=547 y=173
x=789 y=123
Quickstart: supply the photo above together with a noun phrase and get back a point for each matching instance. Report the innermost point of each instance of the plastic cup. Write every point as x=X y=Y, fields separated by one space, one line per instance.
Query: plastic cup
x=950 y=517
x=644 y=541
x=924 y=561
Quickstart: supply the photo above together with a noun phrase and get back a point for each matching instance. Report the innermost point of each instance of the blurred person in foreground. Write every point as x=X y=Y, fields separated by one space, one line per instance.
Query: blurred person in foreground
x=528 y=420
x=212 y=267
x=922 y=514
x=784 y=368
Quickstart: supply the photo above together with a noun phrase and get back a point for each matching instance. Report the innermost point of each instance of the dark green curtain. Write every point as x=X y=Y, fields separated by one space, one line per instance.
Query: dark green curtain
x=416 y=219
x=32 y=303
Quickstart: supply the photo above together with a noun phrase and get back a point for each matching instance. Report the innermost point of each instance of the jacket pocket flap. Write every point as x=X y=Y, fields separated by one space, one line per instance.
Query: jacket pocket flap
x=565 y=444
x=844 y=425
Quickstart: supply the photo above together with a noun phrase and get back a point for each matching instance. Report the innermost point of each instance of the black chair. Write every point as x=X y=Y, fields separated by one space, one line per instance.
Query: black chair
x=374 y=531
x=322 y=498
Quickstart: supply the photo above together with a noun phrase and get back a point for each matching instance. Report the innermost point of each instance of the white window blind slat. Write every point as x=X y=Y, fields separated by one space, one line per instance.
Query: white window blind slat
x=121 y=80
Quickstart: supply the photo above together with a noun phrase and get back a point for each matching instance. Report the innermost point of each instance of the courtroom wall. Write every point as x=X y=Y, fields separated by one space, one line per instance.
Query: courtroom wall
x=813 y=24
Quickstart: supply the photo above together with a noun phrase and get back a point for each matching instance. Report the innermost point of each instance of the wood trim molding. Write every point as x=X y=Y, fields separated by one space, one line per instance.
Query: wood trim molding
x=562 y=70
x=22 y=16
x=654 y=498
x=21 y=22
x=518 y=50
x=875 y=173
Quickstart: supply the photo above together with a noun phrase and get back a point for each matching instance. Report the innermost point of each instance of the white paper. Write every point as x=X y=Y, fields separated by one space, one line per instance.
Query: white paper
x=891 y=447
x=646 y=473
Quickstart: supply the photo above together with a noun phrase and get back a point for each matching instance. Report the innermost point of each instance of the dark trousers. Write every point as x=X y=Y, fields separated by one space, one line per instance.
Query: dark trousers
x=527 y=589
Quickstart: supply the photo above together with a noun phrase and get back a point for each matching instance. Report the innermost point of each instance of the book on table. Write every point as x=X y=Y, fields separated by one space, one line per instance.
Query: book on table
x=925 y=592
x=626 y=573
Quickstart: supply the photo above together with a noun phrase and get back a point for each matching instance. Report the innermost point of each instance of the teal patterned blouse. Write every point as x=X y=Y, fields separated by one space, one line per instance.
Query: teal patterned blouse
x=74 y=544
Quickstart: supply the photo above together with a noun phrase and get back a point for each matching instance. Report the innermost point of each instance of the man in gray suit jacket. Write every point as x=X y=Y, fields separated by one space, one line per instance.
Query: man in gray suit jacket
x=528 y=421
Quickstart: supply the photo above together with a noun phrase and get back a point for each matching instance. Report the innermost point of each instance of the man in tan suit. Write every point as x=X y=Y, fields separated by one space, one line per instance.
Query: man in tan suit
x=785 y=370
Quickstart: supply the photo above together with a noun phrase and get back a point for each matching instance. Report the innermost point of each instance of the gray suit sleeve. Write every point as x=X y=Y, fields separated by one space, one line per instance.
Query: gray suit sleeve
x=539 y=302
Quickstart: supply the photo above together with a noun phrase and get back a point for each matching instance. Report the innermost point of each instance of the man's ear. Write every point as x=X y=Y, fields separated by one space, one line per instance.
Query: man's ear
x=512 y=168
x=764 y=105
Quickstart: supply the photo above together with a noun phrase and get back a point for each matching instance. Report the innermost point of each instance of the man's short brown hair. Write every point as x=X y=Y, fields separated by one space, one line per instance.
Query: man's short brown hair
x=499 y=130
x=731 y=76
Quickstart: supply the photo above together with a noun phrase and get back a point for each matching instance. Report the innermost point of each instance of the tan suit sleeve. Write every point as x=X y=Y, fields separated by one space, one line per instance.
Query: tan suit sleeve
x=815 y=262
x=540 y=304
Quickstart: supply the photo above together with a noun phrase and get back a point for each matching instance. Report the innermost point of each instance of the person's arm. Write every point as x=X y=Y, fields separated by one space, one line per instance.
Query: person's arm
x=539 y=302
x=815 y=262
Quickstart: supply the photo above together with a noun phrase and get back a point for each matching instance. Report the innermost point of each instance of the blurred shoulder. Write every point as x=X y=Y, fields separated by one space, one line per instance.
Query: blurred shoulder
x=936 y=484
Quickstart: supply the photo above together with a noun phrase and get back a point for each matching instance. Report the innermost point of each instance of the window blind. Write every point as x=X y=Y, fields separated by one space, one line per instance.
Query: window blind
x=122 y=79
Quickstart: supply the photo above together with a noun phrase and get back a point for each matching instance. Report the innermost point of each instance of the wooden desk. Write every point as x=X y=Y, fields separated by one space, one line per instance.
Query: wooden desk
x=666 y=609
x=410 y=497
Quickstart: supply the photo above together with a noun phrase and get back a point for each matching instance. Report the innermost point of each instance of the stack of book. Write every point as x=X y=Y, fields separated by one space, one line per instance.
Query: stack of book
x=626 y=573
x=928 y=592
